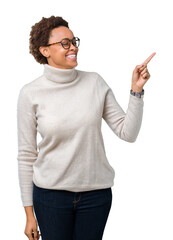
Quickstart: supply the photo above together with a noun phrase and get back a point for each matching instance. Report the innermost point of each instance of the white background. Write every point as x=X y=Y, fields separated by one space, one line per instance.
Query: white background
x=115 y=37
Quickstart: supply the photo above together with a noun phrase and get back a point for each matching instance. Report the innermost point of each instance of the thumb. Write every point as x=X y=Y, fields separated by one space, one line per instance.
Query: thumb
x=35 y=235
x=137 y=67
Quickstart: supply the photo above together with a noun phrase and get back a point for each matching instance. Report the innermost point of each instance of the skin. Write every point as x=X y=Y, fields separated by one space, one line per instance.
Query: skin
x=56 y=54
x=141 y=75
x=56 y=57
x=31 y=228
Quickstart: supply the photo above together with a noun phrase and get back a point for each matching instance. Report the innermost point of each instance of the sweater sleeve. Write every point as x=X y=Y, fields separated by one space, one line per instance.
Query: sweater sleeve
x=27 y=145
x=125 y=125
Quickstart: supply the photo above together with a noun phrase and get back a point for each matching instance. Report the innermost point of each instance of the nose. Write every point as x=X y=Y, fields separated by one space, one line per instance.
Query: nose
x=72 y=49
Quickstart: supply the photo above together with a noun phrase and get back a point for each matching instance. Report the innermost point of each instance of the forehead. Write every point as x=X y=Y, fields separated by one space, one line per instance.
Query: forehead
x=61 y=32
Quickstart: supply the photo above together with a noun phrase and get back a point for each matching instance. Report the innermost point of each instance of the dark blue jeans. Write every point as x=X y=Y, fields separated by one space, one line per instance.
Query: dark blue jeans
x=66 y=215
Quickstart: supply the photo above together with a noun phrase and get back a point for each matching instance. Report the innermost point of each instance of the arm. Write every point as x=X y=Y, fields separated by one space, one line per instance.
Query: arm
x=27 y=146
x=29 y=211
x=125 y=125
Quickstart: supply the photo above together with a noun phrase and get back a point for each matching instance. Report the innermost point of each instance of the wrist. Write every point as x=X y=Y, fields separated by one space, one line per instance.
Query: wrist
x=29 y=211
x=137 y=94
x=136 y=89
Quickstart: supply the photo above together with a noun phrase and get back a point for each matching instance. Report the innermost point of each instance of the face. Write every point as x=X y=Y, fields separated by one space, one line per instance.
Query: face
x=56 y=55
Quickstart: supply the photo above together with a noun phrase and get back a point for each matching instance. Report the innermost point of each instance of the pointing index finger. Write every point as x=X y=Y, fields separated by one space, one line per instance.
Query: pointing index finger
x=149 y=58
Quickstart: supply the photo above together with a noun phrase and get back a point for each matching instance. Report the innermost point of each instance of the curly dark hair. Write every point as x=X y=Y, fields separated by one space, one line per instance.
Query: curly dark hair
x=40 y=33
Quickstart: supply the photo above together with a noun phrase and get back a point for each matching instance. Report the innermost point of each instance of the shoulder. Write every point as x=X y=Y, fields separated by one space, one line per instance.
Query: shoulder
x=102 y=82
x=30 y=87
x=94 y=76
x=87 y=74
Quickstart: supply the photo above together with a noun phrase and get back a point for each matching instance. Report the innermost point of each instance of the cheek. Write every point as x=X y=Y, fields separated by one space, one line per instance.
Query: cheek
x=58 y=55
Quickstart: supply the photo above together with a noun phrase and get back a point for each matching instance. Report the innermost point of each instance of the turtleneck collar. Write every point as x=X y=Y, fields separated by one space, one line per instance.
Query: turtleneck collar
x=59 y=75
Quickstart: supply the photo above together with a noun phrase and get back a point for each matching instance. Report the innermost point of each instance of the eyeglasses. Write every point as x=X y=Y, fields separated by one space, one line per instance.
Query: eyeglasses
x=66 y=42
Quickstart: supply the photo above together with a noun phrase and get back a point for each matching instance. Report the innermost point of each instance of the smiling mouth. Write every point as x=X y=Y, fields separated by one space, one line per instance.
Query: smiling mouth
x=72 y=57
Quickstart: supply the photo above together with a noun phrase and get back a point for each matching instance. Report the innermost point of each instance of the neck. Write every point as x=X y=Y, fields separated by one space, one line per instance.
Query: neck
x=59 y=75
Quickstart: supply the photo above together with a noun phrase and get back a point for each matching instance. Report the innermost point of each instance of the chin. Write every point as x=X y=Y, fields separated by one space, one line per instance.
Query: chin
x=72 y=65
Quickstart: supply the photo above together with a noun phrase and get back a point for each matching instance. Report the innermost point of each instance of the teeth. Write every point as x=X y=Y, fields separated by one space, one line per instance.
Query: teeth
x=71 y=56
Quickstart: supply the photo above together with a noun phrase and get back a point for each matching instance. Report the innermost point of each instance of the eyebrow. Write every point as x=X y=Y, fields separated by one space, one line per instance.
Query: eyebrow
x=67 y=38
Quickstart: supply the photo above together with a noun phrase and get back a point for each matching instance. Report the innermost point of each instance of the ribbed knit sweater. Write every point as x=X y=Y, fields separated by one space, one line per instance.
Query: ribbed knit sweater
x=66 y=107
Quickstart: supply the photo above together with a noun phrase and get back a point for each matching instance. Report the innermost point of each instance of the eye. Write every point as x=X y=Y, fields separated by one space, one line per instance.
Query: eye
x=74 y=42
x=65 y=42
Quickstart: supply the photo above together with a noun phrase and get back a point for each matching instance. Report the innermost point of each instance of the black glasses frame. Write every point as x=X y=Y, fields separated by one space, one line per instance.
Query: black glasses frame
x=70 y=40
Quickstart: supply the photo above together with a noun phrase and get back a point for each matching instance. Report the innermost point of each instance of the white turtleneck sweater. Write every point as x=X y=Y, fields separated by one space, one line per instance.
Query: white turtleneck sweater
x=66 y=107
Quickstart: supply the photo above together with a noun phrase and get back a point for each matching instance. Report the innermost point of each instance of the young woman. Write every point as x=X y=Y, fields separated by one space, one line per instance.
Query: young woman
x=67 y=183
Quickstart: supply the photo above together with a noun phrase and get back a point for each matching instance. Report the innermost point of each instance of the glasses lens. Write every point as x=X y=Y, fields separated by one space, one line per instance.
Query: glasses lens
x=76 y=42
x=65 y=43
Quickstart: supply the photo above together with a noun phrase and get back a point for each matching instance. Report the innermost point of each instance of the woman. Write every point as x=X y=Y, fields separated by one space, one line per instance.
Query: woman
x=67 y=184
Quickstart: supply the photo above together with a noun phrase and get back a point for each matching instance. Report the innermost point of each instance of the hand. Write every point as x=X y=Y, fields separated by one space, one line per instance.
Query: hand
x=141 y=75
x=31 y=229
